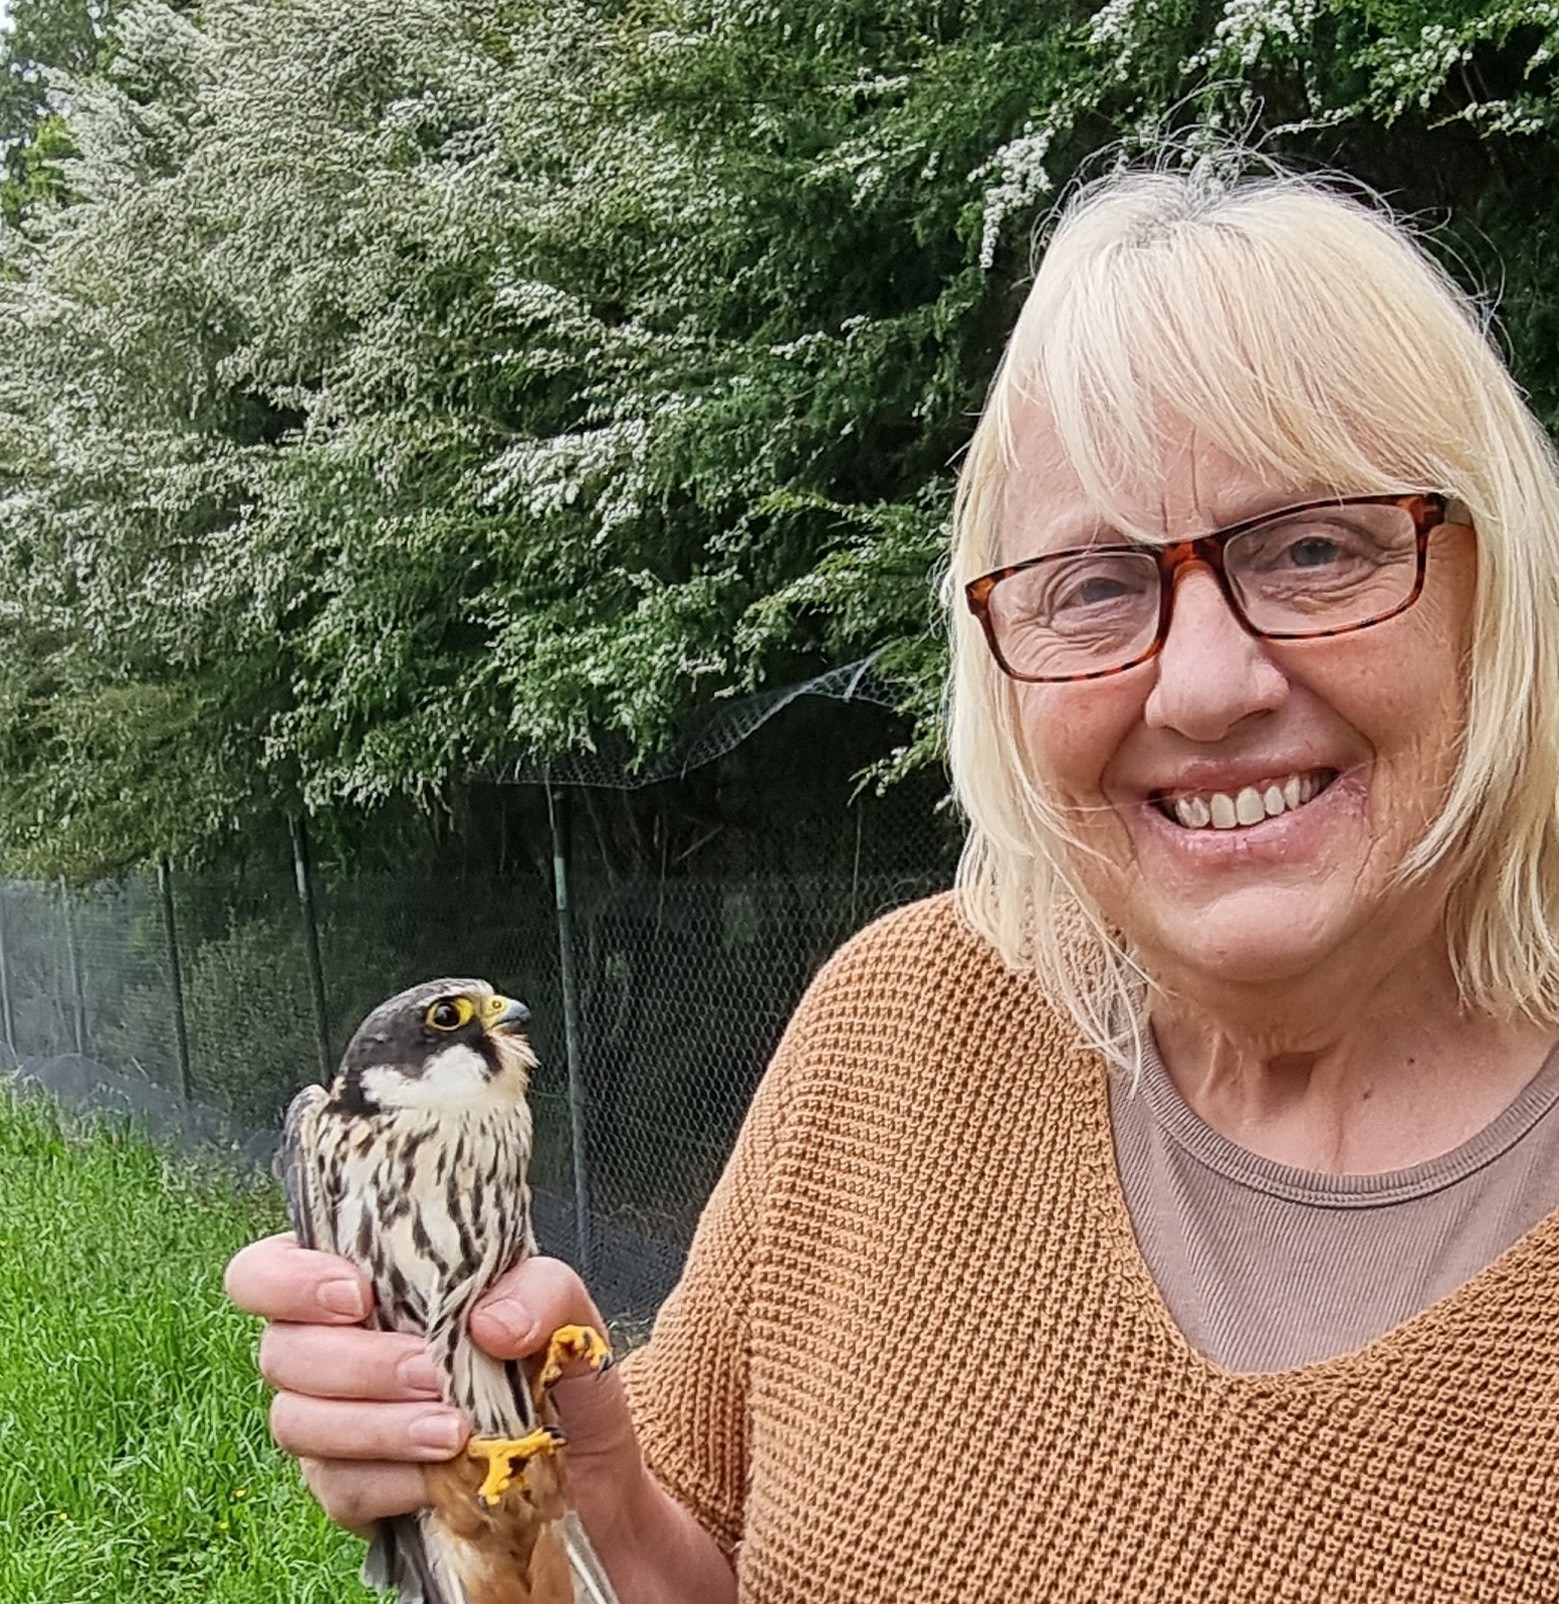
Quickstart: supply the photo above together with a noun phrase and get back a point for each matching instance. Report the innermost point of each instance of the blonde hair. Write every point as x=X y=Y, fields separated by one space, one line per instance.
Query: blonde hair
x=1308 y=335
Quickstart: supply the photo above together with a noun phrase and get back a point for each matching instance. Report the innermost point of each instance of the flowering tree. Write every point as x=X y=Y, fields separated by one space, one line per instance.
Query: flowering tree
x=394 y=386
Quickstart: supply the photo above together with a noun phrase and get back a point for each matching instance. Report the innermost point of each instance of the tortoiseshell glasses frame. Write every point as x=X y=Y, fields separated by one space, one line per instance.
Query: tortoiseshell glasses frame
x=1428 y=509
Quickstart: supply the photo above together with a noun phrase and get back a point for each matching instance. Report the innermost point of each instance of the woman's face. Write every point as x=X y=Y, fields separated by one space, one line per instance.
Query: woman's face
x=1368 y=722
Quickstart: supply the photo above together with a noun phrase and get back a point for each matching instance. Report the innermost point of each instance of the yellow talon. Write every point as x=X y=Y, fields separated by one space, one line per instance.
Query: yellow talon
x=507 y=1457
x=570 y=1343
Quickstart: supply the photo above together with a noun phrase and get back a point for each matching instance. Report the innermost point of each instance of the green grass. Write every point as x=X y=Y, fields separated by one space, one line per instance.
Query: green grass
x=134 y=1459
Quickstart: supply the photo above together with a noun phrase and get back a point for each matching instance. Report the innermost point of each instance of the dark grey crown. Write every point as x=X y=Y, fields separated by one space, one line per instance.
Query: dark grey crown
x=396 y=1033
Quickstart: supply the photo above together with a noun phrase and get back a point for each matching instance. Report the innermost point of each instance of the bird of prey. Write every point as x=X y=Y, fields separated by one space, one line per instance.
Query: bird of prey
x=413 y=1165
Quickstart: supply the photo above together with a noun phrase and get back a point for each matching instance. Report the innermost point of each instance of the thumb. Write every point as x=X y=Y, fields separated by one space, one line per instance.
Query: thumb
x=515 y=1319
x=593 y=1412
x=518 y=1313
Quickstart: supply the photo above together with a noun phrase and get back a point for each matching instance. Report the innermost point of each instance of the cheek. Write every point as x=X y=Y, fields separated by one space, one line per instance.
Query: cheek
x=1408 y=699
x=1418 y=763
x=1071 y=733
x=1421 y=678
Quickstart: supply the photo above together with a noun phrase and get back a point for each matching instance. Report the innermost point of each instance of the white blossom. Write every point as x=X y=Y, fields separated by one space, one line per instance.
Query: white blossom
x=1019 y=167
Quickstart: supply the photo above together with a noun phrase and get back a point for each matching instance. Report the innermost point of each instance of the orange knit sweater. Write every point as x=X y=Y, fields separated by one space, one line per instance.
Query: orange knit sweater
x=917 y=1356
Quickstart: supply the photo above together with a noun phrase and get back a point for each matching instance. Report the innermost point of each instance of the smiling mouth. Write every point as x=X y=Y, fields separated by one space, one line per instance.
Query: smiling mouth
x=1254 y=804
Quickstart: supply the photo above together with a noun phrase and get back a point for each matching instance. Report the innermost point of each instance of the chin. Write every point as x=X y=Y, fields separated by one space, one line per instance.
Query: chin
x=1261 y=938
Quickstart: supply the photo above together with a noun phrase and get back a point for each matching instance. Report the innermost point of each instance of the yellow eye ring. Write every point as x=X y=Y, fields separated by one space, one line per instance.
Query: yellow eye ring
x=450 y=1013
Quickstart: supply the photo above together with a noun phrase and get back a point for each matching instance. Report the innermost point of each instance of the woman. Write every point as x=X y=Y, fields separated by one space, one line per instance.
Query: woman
x=1171 y=1213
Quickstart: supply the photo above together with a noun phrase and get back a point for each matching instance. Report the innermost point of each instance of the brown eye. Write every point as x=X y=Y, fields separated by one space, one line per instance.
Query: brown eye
x=450 y=1013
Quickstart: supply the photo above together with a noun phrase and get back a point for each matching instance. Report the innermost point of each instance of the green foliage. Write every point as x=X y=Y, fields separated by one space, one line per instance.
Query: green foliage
x=134 y=1458
x=402 y=385
x=47 y=42
x=251 y=1033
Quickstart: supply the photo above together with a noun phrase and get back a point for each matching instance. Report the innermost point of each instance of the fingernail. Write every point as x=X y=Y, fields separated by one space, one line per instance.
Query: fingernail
x=420 y=1374
x=343 y=1297
x=441 y=1433
x=517 y=1323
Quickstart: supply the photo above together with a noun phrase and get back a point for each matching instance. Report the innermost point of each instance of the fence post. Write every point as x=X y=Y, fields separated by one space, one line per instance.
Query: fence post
x=558 y=820
x=300 y=867
x=7 y=1019
x=175 y=975
x=77 y=980
x=855 y=869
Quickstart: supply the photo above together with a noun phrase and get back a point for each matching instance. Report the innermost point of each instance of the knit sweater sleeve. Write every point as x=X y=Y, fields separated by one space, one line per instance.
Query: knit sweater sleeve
x=688 y=1387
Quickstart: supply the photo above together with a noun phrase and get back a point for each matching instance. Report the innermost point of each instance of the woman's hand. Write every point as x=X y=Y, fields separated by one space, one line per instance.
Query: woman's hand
x=361 y=1411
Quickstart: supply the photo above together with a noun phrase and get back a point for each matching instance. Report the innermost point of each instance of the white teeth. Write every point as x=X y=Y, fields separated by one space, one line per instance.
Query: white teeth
x=1221 y=811
x=1193 y=813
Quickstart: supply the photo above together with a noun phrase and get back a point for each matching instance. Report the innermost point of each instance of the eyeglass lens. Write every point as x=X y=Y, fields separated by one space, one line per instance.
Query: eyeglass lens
x=1309 y=573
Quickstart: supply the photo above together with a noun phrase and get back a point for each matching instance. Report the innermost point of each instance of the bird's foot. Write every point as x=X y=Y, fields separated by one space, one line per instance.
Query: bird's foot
x=507 y=1458
x=570 y=1343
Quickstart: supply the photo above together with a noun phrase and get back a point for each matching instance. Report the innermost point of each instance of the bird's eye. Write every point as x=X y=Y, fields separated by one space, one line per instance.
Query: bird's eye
x=450 y=1013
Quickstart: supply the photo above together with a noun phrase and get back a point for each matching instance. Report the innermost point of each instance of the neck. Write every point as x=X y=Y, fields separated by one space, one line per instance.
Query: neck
x=1377 y=1069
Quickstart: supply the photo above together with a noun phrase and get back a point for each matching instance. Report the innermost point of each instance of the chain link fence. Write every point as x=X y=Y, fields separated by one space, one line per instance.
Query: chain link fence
x=196 y=1000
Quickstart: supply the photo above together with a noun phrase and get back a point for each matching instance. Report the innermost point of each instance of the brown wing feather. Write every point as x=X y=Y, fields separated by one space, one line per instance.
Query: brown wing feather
x=295 y=1166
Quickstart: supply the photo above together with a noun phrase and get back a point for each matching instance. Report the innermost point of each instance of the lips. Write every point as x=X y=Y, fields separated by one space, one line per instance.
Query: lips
x=1246 y=805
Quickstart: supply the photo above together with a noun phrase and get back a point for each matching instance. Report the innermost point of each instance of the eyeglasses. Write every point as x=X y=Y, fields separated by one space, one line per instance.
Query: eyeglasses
x=1316 y=569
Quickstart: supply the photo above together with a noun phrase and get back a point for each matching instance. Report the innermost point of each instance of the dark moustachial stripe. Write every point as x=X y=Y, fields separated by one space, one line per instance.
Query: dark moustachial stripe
x=350 y=1099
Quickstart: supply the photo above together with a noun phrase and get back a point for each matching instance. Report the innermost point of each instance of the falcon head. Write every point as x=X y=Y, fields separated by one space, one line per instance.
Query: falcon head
x=452 y=1046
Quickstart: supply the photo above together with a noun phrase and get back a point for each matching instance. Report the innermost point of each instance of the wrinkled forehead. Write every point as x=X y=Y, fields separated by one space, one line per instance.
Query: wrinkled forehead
x=1191 y=372
x=1189 y=484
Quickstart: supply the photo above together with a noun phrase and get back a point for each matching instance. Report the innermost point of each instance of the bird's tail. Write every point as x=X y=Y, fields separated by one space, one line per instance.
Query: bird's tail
x=420 y=1562
x=591 y=1583
x=400 y=1561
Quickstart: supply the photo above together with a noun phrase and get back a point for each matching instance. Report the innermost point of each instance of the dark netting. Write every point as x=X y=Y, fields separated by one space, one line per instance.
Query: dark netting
x=694 y=918
x=709 y=735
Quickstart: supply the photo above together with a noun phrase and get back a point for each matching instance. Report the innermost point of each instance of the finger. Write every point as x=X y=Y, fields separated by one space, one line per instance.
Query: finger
x=332 y=1428
x=521 y=1310
x=593 y=1412
x=355 y=1495
x=348 y=1362
x=276 y=1278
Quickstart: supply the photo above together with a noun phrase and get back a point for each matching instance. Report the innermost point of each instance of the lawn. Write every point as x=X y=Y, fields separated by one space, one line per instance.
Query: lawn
x=134 y=1461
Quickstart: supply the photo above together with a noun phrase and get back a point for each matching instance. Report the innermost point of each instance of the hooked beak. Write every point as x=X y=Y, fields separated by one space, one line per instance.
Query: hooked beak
x=503 y=1016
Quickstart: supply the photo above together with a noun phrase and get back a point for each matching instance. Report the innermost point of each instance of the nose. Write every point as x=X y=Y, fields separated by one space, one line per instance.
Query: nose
x=1211 y=672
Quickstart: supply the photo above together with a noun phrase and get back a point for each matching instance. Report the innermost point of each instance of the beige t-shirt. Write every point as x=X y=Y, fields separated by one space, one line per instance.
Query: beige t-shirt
x=1268 y=1268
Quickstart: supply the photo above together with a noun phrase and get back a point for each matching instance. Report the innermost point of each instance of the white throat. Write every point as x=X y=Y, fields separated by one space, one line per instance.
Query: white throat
x=457 y=1080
